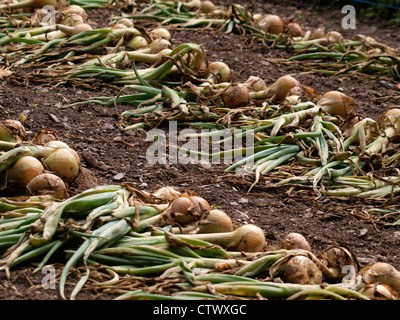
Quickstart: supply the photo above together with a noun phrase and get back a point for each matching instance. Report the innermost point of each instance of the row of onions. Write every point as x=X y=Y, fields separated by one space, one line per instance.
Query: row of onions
x=321 y=51
x=190 y=248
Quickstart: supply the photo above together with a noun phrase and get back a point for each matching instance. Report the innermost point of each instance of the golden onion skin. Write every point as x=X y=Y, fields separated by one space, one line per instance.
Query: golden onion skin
x=302 y=270
x=24 y=170
x=63 y=162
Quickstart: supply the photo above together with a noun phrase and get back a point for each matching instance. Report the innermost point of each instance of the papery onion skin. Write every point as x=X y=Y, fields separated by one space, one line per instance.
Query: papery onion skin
x=219 y=72
x=12 y=131
x=379 y=291
x=382 y=272
x=337 y=103
x=47 y=184
x=249 y=238
x=271 y=23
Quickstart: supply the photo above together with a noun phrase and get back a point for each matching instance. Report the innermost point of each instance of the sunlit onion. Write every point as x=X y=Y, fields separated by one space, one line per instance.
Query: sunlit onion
x=271 y=23
x=126 y=22
x=74 y=9
x=24 y=170
x=219 y=72
x=280 y=89
x=166 y=194
x=216 y=221
x=137 y=42
x=187 y=209
x=336 y=258
x=337 y=104
x=64 y=162
x=160 y=33
x=72 y=20
x=49 y=185
x=207 y=6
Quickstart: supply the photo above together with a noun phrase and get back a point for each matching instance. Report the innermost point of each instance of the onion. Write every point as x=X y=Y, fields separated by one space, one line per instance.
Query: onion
x=219 y=72
x=216 y=221
x=74 y=9
x=72 y=20
x=247 y=238
x=379 y=291
x=294 y=29
x=64 y=162
x=44 y=136
x=24 y=170
x=318 y=33
x=333 y=37
x=71 y=31
x=186 y=210
x=271 y=23
x=119 y=26
x=257 y=17
x=337 y=104
x=381 y=272
x=236 y=96
x=295 y=240
x=126 y=22
x=160 y=33
x=302 y=270
x=29 y=4
x=335 y=258
x=279 y=90
x=166 y=194
x=390 y=122
x=47 y=184
x=255 y=84
x=12 y=131
x=207 y=6
x=193 y=4
x=137 y=42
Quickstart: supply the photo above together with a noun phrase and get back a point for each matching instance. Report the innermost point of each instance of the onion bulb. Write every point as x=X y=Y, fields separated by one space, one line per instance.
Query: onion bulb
x=29 y=4
x=47 y=184
x=382 y=272
x=236 y=96
x=280 y=89
x=137 y=42
x=302 y=270
x=216 y=221
x=126 y=22
x=337 y=104
x=12 y=131
x=74 y=9
x=160 y=33
x=24 y=170
x=271 y=23
x=219 y=72
x=379 y=291
x=72 y=20
x=294 y=29
x=247 y=238
x=318 y=33
x=186 y=210
x=295 y=240
x=71 y=31
x=333 y=37
x=44 y=136
x=207 y=6
x=166 y=194
x=255 y=84
x=336 y=258
x=64 y=162
x=193 y=4
x=390 y=122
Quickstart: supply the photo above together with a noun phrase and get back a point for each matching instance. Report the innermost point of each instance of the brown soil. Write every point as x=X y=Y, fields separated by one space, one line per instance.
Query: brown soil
x=106 y=151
